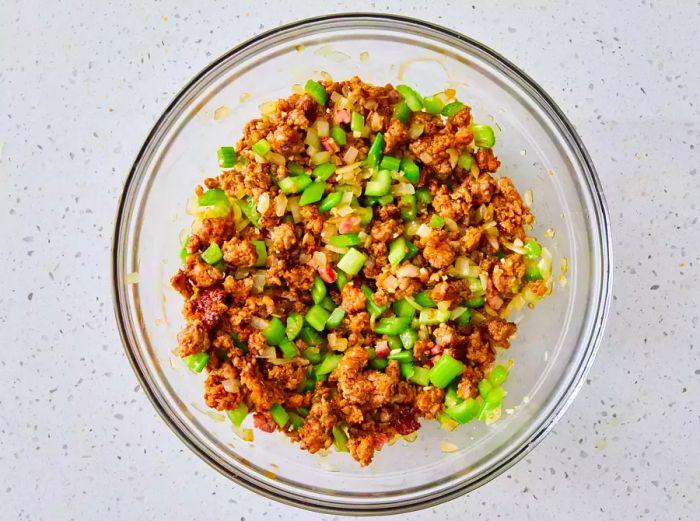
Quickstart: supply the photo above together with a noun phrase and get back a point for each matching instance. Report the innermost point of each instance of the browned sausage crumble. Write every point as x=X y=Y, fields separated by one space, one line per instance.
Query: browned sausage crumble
x=350 y=243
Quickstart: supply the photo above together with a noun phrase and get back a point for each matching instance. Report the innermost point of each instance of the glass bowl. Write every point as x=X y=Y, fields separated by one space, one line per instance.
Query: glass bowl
x=538 y=148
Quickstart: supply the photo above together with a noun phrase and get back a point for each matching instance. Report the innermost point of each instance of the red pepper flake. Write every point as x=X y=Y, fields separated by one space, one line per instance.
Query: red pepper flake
x=327 y=273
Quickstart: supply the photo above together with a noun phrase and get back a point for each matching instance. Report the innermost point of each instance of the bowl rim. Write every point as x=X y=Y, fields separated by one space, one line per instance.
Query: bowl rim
x=598 y=321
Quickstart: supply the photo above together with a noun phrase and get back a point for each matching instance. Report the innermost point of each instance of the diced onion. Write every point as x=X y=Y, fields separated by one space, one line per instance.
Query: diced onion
x=231 y=385
x=259 y=282
x=350 y=154
x=454 y=156
x=457 y=312
x=407 y=270
x=320 y=157
x=322 y=127
x=492 y=241
x=348 y=168
x=347 y=198
x=192 y=207
x=403 y=189
x=448 y=424
x=425 y=157
x=263 y=202
x=391 y=283
x=258 y=323
x=549 y=233
x=462 y=267
x=487 y=225
x=241 y=273
x=527 y=198
x=423 y=230
x=514 y=248
x=311 y=137
x=336 y=249
x=447 y=447
x=410 y=228
x=415 y=130
x=491 y=232
x=318 y=259
x=280 y=205
x=529 y=296
x=293 y=206
x=268 y=107
x=443 y=305
x=451 y=225
x=335 y=97
x=267 y=352
x=484 y=277
x=275 y=158
x=413 y=303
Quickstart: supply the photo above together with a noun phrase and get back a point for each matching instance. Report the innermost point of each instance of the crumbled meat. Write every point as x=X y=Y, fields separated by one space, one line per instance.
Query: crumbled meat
x=283 y=238
x=438 y=251
x=470 y=240
x=481 y=189
x=311 y=219
x=239 y=253
x=216 y=394
x=264 y=422
x=192 y=339
x=227 y=306
x=453 y=290
x=468 y=386
x=452 y=204
x=499 y=331
x=354 y=300
x=215 y=229
x=200 y=273
x=316 y=432
x=510 y=212
x=181 y=284
x=383 y=231
x=360 y=333
x=263 y=393
x=486 y=161
x=429 y=402
x=238 y=290
x=286 y=140
x=289 y=376
x=507 y=274
x=478 y=351
x=422 y=348
x=362 y=448
x=300 y=278
x=396 y=136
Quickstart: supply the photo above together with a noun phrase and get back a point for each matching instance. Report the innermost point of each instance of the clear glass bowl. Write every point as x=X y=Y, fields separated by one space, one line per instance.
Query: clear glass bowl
x=538 y=148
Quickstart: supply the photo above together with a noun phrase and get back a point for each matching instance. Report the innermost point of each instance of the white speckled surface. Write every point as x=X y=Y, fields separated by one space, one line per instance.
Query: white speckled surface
x=81 y=84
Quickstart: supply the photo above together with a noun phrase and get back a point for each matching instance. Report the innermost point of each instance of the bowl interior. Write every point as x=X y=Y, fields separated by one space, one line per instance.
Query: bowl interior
x=553 y=343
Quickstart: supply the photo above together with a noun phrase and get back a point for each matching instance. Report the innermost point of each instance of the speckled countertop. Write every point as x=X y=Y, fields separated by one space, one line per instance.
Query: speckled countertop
x=81 y=83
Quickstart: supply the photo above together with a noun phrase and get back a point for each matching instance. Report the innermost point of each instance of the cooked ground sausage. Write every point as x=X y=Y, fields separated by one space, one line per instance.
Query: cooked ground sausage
x=267 y=249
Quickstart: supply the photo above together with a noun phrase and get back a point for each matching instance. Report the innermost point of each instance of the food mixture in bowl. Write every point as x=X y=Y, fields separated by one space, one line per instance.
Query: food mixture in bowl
x=351 y=269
